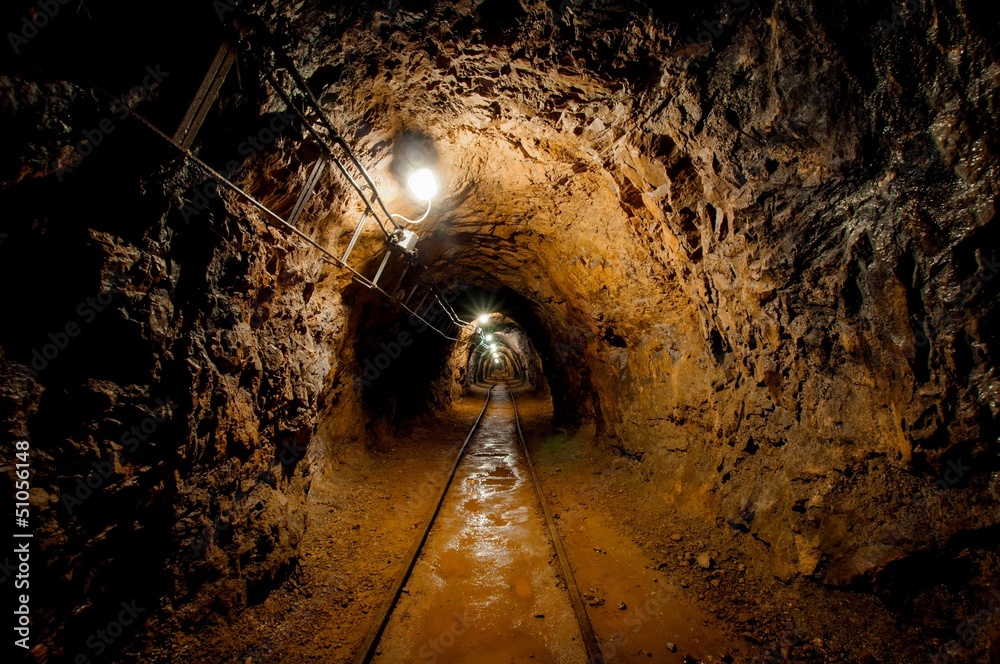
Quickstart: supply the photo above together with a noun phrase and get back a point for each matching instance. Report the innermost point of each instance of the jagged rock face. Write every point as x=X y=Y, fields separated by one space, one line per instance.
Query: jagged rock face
x=172 y=426
x=755 y=243
x=766 y=253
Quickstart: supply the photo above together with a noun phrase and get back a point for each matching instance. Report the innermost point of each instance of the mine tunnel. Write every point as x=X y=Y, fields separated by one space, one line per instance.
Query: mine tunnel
x=501 y=331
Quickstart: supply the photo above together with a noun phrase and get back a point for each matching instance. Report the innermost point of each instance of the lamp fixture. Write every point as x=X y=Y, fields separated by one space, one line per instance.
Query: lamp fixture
x=423 y=186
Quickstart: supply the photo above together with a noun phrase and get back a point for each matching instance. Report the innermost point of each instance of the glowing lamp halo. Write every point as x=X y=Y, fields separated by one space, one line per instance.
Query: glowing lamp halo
x=423 y=184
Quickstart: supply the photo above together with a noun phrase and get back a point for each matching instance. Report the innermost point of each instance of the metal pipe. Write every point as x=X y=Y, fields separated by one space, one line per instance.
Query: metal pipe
x=388 y=252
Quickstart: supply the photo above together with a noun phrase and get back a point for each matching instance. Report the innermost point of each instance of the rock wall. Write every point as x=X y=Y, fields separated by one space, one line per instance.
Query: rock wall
x=165 y=352
x=760 y=240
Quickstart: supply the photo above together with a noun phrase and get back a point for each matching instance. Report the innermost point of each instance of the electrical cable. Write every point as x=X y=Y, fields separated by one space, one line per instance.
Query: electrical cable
x=376 y=196
x=323 y=144
x=289 y=66
x=293 y=71
x=257 y=24
x=328 y=256
x=415 y=221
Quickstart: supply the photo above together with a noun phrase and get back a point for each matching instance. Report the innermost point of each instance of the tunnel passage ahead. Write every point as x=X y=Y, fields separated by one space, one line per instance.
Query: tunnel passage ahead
x=501 y=350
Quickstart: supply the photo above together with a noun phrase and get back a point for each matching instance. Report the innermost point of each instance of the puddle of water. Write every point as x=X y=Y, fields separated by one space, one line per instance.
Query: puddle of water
x=485 y=588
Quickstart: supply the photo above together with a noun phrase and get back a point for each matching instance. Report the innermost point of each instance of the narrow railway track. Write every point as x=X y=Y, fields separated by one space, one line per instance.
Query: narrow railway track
x=494 y=442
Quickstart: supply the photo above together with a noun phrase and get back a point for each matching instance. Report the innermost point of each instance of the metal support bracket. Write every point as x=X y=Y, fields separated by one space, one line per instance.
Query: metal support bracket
x=388 y=252
x=354 y=238
x=307 y=191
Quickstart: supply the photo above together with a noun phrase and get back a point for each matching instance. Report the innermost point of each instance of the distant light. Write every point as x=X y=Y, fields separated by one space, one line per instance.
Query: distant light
x=484 y=319
x=422 y=184
x=489 y=337
x=493 y=347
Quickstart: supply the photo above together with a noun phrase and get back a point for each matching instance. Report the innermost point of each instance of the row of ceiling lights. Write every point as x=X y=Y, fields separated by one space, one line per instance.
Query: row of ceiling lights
x=487 y=340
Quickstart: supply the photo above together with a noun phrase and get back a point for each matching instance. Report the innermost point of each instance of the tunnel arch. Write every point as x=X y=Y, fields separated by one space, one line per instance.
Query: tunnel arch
x=516 y=354
x=428 y=368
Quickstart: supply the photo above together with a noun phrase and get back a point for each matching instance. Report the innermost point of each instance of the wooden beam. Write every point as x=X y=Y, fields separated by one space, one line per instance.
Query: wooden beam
x=207 y=93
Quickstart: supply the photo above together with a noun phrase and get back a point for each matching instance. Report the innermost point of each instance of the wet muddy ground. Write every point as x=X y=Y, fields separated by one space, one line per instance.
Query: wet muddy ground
x=659 y=586
x=486 y=587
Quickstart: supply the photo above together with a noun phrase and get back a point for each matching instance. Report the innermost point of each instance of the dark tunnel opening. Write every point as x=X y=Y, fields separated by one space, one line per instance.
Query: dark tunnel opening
x=502 y=351
x=408 y=366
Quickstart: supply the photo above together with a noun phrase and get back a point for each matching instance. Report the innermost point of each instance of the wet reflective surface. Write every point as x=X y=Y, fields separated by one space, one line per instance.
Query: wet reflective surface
x=486 y=587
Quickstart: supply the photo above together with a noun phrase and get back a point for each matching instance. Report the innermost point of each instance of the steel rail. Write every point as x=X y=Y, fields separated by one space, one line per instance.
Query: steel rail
x=594 y=654
x=369 y=645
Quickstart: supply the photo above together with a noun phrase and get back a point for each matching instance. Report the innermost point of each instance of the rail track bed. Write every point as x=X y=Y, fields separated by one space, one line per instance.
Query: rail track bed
x=487 y=580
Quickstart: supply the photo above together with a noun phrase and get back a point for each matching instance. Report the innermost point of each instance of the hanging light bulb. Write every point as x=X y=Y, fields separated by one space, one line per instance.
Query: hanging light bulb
x=422 y=184
x=484 y=319
x=489 y=337
x=493 y=347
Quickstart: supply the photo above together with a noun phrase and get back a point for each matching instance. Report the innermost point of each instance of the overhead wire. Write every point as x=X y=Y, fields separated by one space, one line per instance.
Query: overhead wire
x=421 y=270
x=323 y=144
x=288 y=64
x=328 y=256
x=260 y=31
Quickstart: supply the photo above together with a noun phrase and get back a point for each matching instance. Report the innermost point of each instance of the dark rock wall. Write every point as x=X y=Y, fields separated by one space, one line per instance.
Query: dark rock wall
x=166 y=361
